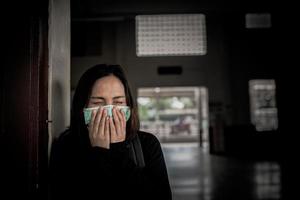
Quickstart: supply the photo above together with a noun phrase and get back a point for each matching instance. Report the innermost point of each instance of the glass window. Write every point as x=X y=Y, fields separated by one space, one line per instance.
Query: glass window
x=170 y=35
x=176 y=114
x=258 y=20
x=263 y=104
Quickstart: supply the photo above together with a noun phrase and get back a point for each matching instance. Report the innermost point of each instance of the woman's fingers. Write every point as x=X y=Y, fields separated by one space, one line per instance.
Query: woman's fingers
x=118 y=131
x=117 y=121
x=97 y=121
x=101 y=125
x=104 y=130
x=112 y=127
x=91 y=124
x=121 y=118
x=98 y=129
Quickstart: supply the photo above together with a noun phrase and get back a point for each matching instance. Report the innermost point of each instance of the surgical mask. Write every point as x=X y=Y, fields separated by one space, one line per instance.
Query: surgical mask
x=88 y=112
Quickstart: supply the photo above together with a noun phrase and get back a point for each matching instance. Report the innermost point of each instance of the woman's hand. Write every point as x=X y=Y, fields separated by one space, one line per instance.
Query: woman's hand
x=117 y=126
x=99 y=129
x=104 y=130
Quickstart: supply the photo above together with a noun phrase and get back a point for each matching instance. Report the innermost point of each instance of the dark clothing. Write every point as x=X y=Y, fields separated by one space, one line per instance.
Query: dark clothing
x=79 y=171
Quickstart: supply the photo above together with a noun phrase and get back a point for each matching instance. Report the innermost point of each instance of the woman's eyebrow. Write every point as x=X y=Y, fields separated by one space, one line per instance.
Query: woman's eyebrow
x=118 y=97
x=101 y=98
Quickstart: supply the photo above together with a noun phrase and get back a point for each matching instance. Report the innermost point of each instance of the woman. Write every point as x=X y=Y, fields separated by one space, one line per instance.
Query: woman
x=104 y=155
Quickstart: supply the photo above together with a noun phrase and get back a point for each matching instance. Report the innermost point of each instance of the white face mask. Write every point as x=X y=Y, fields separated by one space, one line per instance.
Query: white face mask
x=88 y=112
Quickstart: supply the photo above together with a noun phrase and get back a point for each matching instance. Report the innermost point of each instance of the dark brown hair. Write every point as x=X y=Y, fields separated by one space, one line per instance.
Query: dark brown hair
x=83 y=92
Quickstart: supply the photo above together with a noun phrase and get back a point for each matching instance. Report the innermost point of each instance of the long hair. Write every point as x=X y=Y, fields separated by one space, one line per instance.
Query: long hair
x=83 y=92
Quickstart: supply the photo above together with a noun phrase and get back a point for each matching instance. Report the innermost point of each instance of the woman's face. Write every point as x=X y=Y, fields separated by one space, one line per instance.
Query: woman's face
x=107 y=90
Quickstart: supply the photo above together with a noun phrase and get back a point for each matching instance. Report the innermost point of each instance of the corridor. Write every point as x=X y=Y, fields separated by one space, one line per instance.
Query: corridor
x=195 y=174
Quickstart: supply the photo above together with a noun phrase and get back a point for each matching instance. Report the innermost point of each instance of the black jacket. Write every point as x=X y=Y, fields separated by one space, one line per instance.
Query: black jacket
x=79 y=171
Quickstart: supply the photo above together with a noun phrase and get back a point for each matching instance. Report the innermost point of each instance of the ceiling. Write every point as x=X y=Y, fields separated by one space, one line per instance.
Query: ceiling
x=127 y=8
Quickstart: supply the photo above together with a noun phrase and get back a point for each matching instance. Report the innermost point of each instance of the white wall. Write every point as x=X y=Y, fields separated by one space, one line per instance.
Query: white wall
x=59 y=67
x=118 y=46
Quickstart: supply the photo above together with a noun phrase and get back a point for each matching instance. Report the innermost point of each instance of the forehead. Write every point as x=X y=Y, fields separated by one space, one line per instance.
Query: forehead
x=108 y=85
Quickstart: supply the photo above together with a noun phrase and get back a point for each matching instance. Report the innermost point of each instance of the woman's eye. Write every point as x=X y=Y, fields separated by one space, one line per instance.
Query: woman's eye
x=119 y=102
x=98 y=103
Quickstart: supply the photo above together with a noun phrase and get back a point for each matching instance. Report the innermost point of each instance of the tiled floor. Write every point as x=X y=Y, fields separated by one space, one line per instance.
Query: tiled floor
x=196 y=174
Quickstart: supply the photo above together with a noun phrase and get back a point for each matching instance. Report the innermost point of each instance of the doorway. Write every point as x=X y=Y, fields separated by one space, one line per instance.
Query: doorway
x=175 y=114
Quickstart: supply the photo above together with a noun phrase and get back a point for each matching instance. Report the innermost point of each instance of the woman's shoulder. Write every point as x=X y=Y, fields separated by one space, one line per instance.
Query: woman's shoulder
x=64 y=141
x=63 y=137
x=148 y=139
x=147 y=136
x=151 y=147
